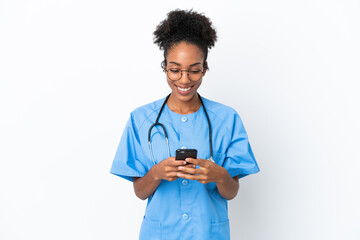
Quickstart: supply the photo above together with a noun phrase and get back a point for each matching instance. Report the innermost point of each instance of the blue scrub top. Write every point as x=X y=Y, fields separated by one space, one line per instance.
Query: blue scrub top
x=184 y=209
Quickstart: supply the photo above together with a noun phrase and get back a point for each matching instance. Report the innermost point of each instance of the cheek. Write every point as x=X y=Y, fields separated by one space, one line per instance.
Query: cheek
x=197 y=85
x=170 y=83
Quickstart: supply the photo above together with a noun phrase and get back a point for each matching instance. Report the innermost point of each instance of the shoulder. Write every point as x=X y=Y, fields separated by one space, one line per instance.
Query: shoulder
x=222 y=115
x=219 y=110
x=142 y=113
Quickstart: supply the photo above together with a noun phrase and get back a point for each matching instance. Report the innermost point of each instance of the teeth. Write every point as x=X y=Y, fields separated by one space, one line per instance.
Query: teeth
x=184 y=89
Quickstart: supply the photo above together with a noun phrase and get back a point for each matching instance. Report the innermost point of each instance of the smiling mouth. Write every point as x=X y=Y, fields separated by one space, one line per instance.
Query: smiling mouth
x=183 y=89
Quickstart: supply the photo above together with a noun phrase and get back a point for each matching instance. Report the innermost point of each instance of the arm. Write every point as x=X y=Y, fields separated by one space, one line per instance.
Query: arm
x=228 y=186
x=145 y=186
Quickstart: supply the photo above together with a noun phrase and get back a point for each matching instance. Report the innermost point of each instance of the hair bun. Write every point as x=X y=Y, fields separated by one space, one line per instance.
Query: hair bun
x=186 y=25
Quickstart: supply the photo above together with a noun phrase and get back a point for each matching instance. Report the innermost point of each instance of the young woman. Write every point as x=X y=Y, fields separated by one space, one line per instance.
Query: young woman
x=186 y=199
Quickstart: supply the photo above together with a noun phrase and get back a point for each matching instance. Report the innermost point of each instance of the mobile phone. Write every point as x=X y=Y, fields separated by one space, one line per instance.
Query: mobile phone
x=181 y=154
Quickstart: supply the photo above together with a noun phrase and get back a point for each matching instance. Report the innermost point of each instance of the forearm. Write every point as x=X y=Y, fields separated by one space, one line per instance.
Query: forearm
x=146 y=185
x=228 y=187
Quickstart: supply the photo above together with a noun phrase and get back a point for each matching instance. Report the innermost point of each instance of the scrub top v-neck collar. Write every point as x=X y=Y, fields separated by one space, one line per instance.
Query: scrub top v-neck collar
x=182 y=118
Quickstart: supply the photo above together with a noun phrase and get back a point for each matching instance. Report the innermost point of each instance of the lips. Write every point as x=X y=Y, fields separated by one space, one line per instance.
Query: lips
x=183 y=90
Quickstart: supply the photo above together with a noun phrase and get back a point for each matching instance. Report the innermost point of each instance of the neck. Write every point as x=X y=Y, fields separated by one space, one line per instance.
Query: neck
x=180 y=107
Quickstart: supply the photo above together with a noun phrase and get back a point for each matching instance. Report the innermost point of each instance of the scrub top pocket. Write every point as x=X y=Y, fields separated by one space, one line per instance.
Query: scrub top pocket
x=220 y=230
x=150 y=230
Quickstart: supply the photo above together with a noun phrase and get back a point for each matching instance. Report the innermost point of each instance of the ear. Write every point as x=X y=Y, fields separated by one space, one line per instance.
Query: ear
x=205 y=69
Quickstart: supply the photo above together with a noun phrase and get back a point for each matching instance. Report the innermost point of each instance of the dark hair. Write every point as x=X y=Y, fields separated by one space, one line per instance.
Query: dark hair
x=189 y=26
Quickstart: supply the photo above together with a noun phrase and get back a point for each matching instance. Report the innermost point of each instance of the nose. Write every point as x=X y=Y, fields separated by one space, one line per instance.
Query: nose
x=184 y=77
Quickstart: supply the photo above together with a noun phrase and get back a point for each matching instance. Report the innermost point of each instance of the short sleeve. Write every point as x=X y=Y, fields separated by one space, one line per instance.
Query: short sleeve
x=239 y=159
x=126 y=163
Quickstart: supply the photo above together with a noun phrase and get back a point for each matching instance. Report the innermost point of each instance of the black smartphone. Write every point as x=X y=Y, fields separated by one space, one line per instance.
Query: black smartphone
x=181 y=154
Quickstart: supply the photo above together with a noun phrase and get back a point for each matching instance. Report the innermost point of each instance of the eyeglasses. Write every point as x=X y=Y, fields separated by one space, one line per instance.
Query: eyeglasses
x=175 y=74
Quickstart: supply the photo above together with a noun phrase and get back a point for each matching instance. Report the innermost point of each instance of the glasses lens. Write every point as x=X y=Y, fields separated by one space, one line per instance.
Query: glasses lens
x=195 y=75
x=174 y=74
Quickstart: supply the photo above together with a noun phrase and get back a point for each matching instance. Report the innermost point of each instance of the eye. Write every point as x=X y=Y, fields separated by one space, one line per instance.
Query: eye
x=174 y=70
x=195 y=71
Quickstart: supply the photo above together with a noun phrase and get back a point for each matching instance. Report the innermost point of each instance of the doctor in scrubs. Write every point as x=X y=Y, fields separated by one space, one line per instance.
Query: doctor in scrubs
x=185 y=199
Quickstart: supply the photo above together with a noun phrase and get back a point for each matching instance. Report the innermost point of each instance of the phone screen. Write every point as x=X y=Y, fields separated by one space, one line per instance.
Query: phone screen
x=181 y=154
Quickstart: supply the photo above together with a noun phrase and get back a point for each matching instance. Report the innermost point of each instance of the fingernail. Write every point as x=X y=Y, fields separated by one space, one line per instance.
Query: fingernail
x=180 y=167
x=179 y=174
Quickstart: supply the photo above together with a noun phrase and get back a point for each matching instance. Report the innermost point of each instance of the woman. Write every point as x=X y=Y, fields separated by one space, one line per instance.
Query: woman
x=185 y=201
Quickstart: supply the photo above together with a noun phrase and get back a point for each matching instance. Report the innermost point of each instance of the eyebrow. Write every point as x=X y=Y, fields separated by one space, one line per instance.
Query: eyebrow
x=180 y=64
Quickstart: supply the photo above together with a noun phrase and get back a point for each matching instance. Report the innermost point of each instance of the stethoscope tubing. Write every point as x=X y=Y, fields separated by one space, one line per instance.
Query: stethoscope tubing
x=165 y=132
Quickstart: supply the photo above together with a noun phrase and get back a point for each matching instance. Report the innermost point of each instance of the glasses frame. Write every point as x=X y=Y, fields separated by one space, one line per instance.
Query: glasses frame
x=181 y=74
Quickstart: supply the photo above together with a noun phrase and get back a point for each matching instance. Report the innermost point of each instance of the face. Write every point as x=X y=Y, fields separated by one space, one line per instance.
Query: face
x=185 y=56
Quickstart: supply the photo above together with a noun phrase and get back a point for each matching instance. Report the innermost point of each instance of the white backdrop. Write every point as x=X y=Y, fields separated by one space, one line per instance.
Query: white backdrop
x=72 y=71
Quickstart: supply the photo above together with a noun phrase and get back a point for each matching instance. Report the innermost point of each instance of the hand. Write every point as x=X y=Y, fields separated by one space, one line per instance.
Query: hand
x=168 y=169
x=208 y=171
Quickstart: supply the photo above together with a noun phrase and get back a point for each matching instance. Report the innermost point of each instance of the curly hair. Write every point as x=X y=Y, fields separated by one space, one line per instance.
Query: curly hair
x=189 y=26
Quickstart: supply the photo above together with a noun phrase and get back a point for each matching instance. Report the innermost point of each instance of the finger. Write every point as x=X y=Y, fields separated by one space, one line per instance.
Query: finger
x=190 y=177
x=197 y=161
x=172 y=174
x=172 y=169
x=178 y=163
x=189 y=170
x=170 y=177
x=190 y=165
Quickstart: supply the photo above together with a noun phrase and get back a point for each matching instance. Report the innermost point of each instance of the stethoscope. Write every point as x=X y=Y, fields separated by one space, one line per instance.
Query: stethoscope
x=165 y=132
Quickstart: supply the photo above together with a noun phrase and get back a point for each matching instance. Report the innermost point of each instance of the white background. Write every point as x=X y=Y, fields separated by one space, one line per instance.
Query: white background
x=72 y=71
